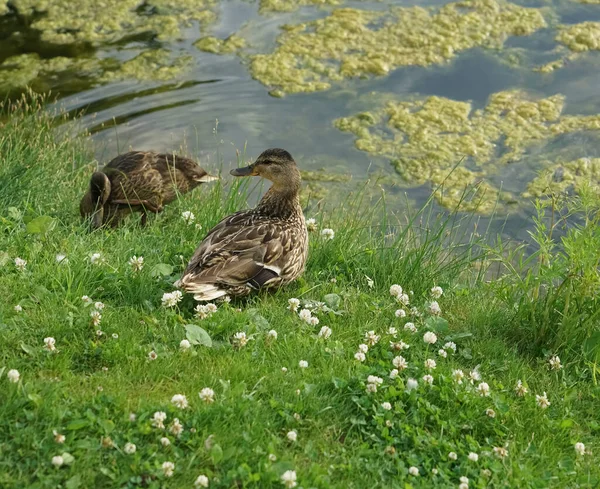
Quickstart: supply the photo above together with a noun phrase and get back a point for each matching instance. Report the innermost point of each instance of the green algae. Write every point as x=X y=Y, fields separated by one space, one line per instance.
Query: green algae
x=580 y=37
x=109 y=21
x=564 y=177
x=360 y=43
x=215 y=45
x=425 y=139
x=291 y=5
x=323 y=176
x=155 y=64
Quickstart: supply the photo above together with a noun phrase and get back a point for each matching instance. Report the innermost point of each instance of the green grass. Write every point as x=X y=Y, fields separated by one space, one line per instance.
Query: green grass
x=87 y=389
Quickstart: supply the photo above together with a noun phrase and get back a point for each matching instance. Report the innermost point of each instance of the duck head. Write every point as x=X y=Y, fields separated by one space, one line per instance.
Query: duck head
x=276 y=165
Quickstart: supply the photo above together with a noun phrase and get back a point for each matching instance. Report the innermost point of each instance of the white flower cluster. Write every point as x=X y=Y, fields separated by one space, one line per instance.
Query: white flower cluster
x=171 y=299
x=204 y=311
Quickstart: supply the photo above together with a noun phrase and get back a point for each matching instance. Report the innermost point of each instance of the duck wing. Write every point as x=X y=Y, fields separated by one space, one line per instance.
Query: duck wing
x=242 y=250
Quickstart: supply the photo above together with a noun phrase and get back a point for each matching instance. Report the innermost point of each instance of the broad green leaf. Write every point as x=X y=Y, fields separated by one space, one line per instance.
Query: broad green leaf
x=216 y=453
x=161 y=270
x=333 y=301
x=591 y=347
x=437 y=324
x=197 y=335
x=41 y=225
x=4 y=258
x=107 y=425
x=67 y=458
x=35 y=398
x=74 y=482
x=77 y=424
x=259 y=321
x=27 y=349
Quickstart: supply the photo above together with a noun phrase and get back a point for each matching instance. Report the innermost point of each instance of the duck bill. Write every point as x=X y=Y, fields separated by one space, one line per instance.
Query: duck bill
x=245 y=171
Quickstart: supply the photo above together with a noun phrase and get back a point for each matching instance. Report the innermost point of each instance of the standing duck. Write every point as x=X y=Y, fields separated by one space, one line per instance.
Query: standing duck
x=138 y=181
x=257 y=248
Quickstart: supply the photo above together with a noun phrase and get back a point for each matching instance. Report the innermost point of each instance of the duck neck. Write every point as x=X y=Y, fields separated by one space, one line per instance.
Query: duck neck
x=281 y=202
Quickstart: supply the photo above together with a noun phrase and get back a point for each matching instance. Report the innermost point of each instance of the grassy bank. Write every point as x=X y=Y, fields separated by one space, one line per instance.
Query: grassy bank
x=92 y=394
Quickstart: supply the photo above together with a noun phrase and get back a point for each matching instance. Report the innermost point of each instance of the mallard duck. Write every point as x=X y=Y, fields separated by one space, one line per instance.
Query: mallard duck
x=138 y=181
x=257 y=248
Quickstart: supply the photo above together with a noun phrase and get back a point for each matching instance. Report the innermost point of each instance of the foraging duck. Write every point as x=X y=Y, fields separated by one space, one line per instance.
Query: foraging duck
x=263 y=247
x=138 y=181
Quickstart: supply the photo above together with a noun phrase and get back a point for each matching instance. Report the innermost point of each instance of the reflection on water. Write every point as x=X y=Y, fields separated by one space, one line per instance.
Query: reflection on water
x=183 y=112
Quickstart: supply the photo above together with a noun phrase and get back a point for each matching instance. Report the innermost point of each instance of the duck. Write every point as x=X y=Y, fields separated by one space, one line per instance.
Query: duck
x=260 y=248
x=138 y=181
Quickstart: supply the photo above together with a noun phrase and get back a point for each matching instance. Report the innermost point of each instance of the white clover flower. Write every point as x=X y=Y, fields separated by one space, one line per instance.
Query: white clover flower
x=400 y=362
x=327 y=233
x=201 y=481
x=404 y=299
x=486 y=472
x=170 y=299
x=152 y=355
x=450 y=346
x=462 y=485
x=579 y=448
x=158 y=420
x=325 y=332
x=96 y=259
x=434 y=471
x=442 y=353
x=474 y=375
x=392 y=331
x=500 y=452
x=400 y=345
x=400 y=313
x=371 y=388
x=473 y=457
x=180 y=401
x=288 y=479
x=434 y=308
x=18 y=308
x=58 y=461
x=394 y=373
x=98 y=306
x=303 y=364
x=430 y=364
x=13 y=376
x=464 y=480
x=411 y=384
x=284 y=369
x=360 y=356
x=410 y=327
x=168 y=469
x=364 y=348
x=50 y=344
x=436 y=292
x=452 y=456
x=542 y=401
x=415 y=312
x=188 y=217
x=61 y=258
x=371 y=338
x=458 y=375
x=165 y=442
x=429 y=338
x=313 y=321
x=395 y=291
x=129 y=448
x=293 y=304
x=297 y=417
x=133 y=417
x=372 y=379
x=240 y=339
x=184 y=345
x=272 y=335
x=428 y=379
x=386 y=405
x=311 y=224
x=305 y=315
x=490 y=412
x=176 y=427
x=96 y=317
x=370 y=282
x=483 y=389
x=413 y=471
x=207 y=395
x=211 y=308
x=136 y=263
x=20 y=264
x=58 y=438
x=520 y=389
x=554 y=362
x=272 y=457
x=292 y=435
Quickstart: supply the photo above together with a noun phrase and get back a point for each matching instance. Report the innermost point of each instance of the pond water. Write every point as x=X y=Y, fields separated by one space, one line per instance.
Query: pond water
x=146 y=108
